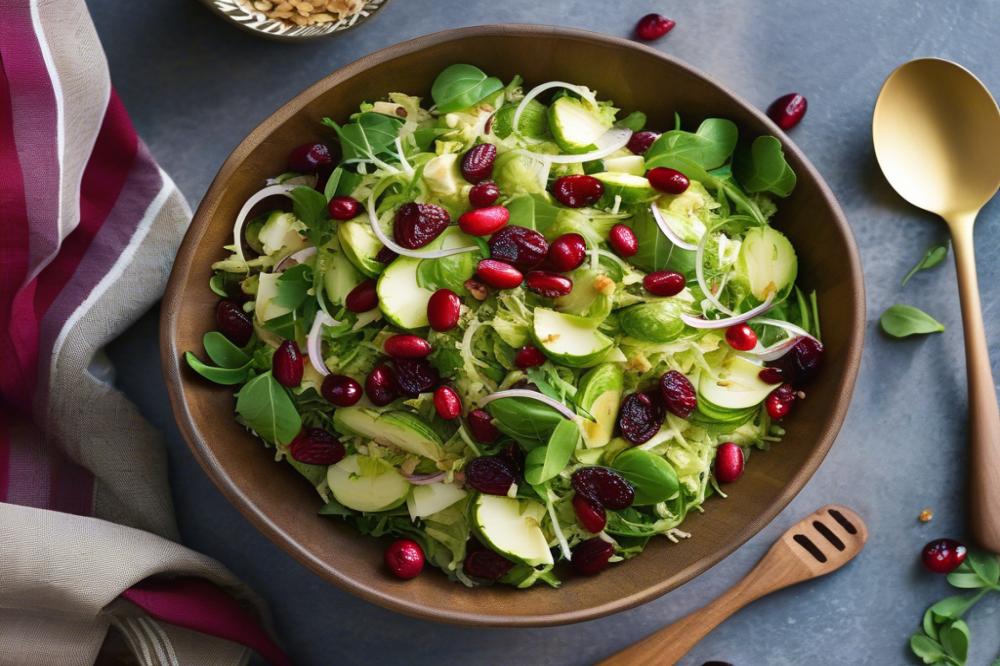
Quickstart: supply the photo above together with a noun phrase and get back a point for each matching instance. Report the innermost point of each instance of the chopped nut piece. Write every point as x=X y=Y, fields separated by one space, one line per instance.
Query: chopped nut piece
x=306 y=12
x=477 y=289
x=926 y=515
x=604 y=285
x=638 y=363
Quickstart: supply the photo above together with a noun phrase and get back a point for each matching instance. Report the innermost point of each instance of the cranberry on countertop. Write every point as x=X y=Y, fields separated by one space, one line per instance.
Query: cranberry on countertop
x=943 y=555
x=653 y=26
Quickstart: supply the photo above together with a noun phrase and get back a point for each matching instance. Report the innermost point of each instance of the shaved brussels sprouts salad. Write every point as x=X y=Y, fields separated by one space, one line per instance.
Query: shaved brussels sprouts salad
x=512 y=328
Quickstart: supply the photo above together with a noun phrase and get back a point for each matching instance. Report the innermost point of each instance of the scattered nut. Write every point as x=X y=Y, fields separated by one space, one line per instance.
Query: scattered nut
x=926 y=515
x=306 y=12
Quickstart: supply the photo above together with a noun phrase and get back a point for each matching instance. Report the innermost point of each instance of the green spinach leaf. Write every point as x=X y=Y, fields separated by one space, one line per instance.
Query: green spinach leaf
x=935 y=255
x=223 y=352
x=309 y=206
x=901 y=321
x=265 y=407
x=460 y=86
x=653 y=478
x=293 y=285
x=528 y=422
x=224 y=376
x=634 y=121
x=370 y=136
x=763 y=168
x=707 y=148
x=545 y=462
x=656 y=252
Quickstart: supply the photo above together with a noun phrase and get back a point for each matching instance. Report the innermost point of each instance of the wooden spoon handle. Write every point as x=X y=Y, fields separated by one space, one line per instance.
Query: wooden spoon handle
x=984 y=415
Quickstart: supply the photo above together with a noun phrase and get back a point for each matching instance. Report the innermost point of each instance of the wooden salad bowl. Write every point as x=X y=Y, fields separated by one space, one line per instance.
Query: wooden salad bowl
x=284 y=507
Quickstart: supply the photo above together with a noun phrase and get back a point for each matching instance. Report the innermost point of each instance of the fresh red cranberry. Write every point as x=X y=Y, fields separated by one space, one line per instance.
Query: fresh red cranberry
x=498 y=274
x=341 y=390
x=728 y=462
x=477 y=163
x=788 y=110
x=309 y=158
x=741 y=337
x=483 y=221
x=779 y=401
x=343 y=208
x=604 y=486
x=801 y=363
x=664 y=283
x=404 y=345
x=416 y=225
x=484 y=194
x=415 y=376
x=381 y=386
x=623 y=241
x=363 y=297
x=771 y=375
x=481 y=562
x=577 y=191
x=678 y=393
x=233 y=323
x=481 y=426
x=943 y=555
x=286 y=364
x=443 y=310
x=315 y=446
x=668 y=180
x=404 y=558
x=385 y=255
x=549 y=285
x=653 y=26
x=447 y=403
x=591 y=557
x=567 y=252
x=529 y=356
x=639 y=418
x=490 y=474
x=522 y=247
x=640 y=142
x=590 y=514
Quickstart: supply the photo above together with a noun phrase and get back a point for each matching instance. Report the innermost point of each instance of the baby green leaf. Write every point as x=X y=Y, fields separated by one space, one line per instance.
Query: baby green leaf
x=266 y=408
x=309 y=207
x=901 y=321
x=545 y=462
x=293 y=286
x=968 y=581
x=928 y=649
x=528 y=421
x=217 y=284
x=763 y=168
x=460 y=86
x=634 y=121
x=954 y=639
x=653 y=477
x=370 y=136
x=952 y=607
x=935 y=255
x=707 y=148
x=986 y=565
x=224 y=376
x=223 y=352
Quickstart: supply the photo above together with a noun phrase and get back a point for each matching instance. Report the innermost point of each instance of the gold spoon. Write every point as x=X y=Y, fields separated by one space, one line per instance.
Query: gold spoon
x=936 y=130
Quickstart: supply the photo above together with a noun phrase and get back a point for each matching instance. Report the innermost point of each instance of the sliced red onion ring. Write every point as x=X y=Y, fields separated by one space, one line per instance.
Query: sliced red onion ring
x=668 y=231
x=405 y=251
x=780 y=348
x=307 y=180
x=586 y=93
x=613 y=140
x=698 y=322
x=784 y=325
x=313 y=342
x=294 y=258
x=269 y=191
x=424 y=479
x=531 y=395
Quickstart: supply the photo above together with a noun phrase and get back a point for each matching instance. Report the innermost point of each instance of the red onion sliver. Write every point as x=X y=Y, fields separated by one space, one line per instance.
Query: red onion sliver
x=313 y=342
x=665 y=227
x=270 y=191
x=294 y=258
x=611 y=141
x=784 y=325
x=699 y=271
x=405 y=251
x=424 y=479
x=531 y=395
x=777 y=350
x=698 y=322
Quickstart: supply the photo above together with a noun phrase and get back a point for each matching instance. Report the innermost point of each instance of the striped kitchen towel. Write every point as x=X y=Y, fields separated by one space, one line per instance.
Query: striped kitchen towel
x=89 y=225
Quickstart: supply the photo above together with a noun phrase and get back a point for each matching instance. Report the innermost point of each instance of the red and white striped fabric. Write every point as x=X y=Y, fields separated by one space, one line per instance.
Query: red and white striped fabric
x=89 y=225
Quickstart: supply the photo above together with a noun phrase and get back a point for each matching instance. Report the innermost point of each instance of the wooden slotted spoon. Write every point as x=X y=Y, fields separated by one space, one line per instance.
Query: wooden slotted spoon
x=817 y=545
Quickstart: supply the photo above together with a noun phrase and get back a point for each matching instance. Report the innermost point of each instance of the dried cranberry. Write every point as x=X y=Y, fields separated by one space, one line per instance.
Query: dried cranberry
x=340 y=390
x=380 y=386
x=567 y=252
x=943 y=555
x=315 y=446
x=481 y=426
x=653 y=26
x=404 y=345
x=447 y=403
x=771 y=375
x=443 y=310
x=664 y=283
x=484 y=194
x=514 y=457
x=549 y=285
x=741 y=337
x=477 y=163
x=524 y=248
x=233 y=323
x=404 y=558
x=678 y=394
x=801 y=363
x=788 y=110
x=668 y=180
x=343 y=208
x=286 y=364
x=415 y=376
x=416 y=225
x=363 y=297
x=639 y=418
x=605 y=486
x=490 y=474
x=623 y=241
x=529 y=356
x=498 y=274
x=640 y=142
x=385 y=255
x=728 y=462
x=483 y=221
x=779 y=401
x=577 y=191
x=590 y=514
x=591 y=557
x=481 y=562
x=309 y=158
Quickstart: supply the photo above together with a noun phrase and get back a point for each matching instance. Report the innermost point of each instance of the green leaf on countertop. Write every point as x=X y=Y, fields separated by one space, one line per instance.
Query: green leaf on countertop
x=985 y=565
x=901 y=321
x=264 y=406
x=935 y=255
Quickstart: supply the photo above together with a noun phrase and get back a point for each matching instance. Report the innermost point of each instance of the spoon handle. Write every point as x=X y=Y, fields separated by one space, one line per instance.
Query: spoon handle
x=984 y=416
